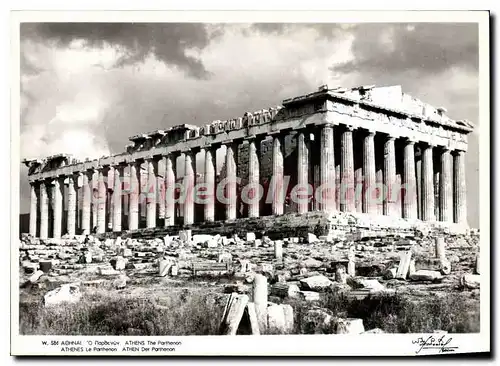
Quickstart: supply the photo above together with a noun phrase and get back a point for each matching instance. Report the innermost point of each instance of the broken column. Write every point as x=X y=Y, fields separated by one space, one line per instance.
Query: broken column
x=427 y=184
x=327 y=168
x=259 y=298
x=369 y=205
x=410 y=181
x=151 y=193
x=278 y=250
x=347 y=171
x=44 y=211
x=71 y=221
x=277 y=178
x=446 y=187
x=33 y=209
x=302 y=171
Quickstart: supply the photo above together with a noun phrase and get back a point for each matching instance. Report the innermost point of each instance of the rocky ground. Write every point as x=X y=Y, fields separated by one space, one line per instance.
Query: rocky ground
x=307 y=270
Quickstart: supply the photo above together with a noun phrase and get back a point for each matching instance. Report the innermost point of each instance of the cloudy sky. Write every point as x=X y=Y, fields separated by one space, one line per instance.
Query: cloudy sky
x=86 y=88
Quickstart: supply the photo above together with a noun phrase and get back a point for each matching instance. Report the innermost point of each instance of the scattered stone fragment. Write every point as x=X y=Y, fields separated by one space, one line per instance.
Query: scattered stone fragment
x=471 y=281
x=278 y=250
x=251 y=236
x=225 y=257
x=185 y=236
x=350 y=326
x=285 y=290
x=312 y=263
x=107 y=271
x=120 y=282
x=315 y=283
x=445 y=266
x=118 y=263
x=174 y=270
x=280 y=320
x=311 y=238
x=164 y=266
x=317 y=321
x=374 y=331
x=477 y=264
x=68 y=293
x=309 y=295
x=404 y=265
x=36 y=276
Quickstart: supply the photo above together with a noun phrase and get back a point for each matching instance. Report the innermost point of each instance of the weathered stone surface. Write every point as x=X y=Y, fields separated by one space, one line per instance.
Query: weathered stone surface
x=36 y=276
x=445 y=266
x=285 y=290
x=118 y=263
x=185 y=236
x=251 y=236
x=311 y=238
x=309 y=295
x=404 y=265
x=471 y=281
x=107 y=271
x=350 y=326
x=315 y=283
x=369 y=284
x=311 y=263
x=317 y=321
x=425 y=275
x=374 y=331
x=68 y=293
x=280 y=318
x=120 y=282
x=477 y=267
x=164 y=266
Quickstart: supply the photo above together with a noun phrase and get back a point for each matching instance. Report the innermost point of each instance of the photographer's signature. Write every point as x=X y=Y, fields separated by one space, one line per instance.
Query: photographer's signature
x=439 y=343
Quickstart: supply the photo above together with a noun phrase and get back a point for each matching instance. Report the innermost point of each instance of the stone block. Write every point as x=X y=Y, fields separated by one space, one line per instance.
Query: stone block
x=404 y=265
x=309 y=295
x=285 y=290
x=68 y=293
x=36 y=276
x=251 y=236
x=311 y=263
x=46 y=266
x=164 y=266
x=315 y=283
x=471 y=281
x=311 y=238
x=185 y=236
x=118 y=263
x=425 y=275
x=350 y=326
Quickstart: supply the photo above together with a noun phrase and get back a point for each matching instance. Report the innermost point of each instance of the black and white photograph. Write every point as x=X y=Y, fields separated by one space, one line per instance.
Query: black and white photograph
x=251 y=176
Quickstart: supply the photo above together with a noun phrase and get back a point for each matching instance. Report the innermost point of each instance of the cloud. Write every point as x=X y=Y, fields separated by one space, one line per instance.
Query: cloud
x=168 y=42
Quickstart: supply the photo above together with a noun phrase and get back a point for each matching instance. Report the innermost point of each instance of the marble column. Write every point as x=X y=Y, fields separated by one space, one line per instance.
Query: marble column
x=117 y=198
x=302 y=171
x=277 y=178
x=369 y=201
x=101 y=202
x=189 y=183
x=133 y=200
x=210 y=161
x=346 y=171
x=231 y=186
x=57 y=208
x=44 y=211
x=410 y=181
x=170 y=163
x=327 y=169
x=390 y=177
x=160 y=185
x=95 y=198
x=446 y=187
x=151 y=194
x=427 y=184
x=71 y=222
x=33 y=208
x=254 y=176
x=460 y=204
x=86 y=201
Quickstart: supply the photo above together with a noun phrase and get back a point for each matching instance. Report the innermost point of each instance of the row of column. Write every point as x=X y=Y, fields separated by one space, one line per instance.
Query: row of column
x=418 y=200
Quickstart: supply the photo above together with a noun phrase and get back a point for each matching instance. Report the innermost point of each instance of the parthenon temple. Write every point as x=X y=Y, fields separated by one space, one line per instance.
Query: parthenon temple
x=392 y=160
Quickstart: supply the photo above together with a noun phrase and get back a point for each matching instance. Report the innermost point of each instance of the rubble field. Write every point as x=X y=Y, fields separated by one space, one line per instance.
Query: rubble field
x=249 y=284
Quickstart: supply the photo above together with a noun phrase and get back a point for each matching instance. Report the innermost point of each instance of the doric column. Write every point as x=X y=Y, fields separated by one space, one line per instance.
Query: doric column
x=427 y=184
x=170 y=190
x=231 y=186
x=446 y=187
x=369 y=205
x=151 y=194
x=44 y=211
x=302 y=171
x=277 y=178
x=189 y=183
x=71 y=222
x=410 y=181
x=327 y=169
x=346 y=171
x=160 y=186
x=101 y=202
x=57 y=206
x=117 y=198
x=133 y=200
x=95 y=197
x=33 y=208
x=460 y=204
x=254 y=177
x=389 y=177
x=86 y=201
x=210 y=160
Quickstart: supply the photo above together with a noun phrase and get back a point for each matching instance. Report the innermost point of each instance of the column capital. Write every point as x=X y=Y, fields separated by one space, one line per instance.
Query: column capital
x=410 y=140
x=350 y=128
